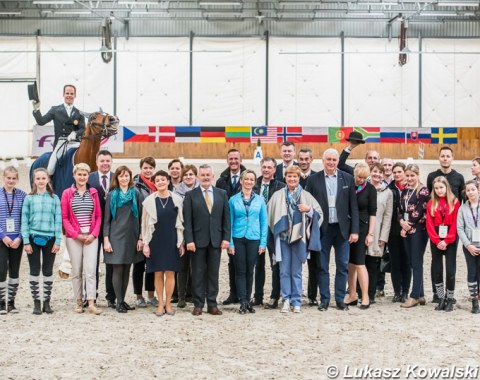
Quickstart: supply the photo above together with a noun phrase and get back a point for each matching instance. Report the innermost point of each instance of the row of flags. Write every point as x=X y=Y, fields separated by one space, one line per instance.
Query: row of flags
x=275 y=135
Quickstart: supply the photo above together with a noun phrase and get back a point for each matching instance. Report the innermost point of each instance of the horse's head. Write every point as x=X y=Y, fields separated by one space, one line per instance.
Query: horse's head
x=102 y=124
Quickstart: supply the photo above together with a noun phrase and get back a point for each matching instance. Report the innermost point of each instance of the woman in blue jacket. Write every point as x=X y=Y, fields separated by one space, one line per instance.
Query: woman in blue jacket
x=248 y=215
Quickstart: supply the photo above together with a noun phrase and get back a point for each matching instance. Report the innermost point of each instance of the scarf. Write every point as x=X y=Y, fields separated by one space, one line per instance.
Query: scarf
x=149 y=183
x=119 y=199
x=400 y=186
x=181 y=189
x=293 y=199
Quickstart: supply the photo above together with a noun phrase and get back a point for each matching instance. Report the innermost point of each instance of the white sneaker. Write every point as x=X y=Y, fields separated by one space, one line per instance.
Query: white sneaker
x=285 y=307
x=297 y=309
x=141 y=302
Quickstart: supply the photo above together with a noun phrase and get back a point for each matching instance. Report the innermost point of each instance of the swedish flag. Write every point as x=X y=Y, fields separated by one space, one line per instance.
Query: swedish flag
x=444 y=135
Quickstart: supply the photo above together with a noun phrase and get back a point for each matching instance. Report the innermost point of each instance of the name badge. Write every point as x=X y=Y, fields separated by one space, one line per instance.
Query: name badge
x=442 y=231
x=476 y=235
x=405 y=217
x=10 y=224
x=331 y=201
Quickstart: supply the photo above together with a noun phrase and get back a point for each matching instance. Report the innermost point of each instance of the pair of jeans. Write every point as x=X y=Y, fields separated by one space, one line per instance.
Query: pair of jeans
x=333 y=238
x=473 y=268
x=401 y=269
x=260 y=273
x=290 y=275
x=246 y=252
x=415 y=245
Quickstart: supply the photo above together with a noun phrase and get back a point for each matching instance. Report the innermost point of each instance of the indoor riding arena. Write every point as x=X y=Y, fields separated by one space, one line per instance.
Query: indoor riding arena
x=239 y=189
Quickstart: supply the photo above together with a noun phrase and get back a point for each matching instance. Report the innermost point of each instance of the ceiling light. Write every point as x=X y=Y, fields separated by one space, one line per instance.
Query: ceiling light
x=146 y=12
x=133 y=2
x=203 y=3
x=10 y=13
x=378 y=3
x=439 y=14
x=457 y=4
x=71 y=12
x=53 y=2
x=366 y=14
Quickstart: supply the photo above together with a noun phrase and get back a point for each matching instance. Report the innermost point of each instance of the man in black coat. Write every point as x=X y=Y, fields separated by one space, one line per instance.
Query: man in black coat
x=100 y=180
x=266 y=186
x=334 y=190
x=305 y=160
x=68 y=123
x=230 y=182
x=287 y=152
x=207 y=231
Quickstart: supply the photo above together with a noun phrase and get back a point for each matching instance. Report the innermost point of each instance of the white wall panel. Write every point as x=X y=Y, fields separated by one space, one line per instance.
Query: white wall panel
x=75 y=61
x=451 y=81
x=17 y=120
x=378 y=91
x=305 y=88
x=153 y=81
x=17 y=57
x=229 y=81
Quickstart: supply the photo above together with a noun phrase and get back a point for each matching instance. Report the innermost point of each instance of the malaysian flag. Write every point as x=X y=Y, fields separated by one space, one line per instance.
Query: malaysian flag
x=264 y=134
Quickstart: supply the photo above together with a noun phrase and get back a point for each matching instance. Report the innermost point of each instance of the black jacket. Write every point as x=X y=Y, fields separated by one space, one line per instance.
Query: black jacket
x=454 y=178
x=273 y=186
x=224 y=182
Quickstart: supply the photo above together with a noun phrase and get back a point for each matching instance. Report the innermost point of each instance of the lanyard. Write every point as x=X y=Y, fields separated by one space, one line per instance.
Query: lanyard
x=409 y=196
x=9 y=208
x=442 y=214
x=475 y=218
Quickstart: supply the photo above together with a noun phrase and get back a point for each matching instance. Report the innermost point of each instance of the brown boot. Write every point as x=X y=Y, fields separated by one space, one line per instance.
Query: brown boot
x=411 y=302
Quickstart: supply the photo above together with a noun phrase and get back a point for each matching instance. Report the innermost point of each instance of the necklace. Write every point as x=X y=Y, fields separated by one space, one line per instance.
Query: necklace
x=164 y=204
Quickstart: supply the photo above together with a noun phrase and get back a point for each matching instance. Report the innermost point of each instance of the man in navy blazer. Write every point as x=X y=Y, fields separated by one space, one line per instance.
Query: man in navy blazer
x=207 y=231
x=335 y=192
x=68 y=123
x=287 y=152
x=100 y=180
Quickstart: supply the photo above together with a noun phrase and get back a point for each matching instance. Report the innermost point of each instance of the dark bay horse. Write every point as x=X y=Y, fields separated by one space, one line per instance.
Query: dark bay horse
x=100 y=125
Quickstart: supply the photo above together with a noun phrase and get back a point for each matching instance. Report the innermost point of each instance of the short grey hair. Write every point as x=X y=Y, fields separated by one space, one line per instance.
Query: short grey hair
x=330 y=151
x=205 y=166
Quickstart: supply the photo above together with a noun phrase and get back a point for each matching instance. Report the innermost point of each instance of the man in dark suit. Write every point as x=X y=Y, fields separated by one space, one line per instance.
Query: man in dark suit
x=266 y=185
x=206 y=217
x=68 y=123
x=229 y=181
x=100 y=180
x=287 y=152
x=334 y=190
x=305 y=159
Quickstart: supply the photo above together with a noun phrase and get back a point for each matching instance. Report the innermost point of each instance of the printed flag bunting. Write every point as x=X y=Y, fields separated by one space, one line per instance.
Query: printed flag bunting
x=264 y=134
x=393 y=135
x=417 y=135
x=293 y=134
x=369 y=134
x=315 y=134
x=130 y=136
x=212 y=134
x=444 y=135
x=187 y=134
x=237 y=134
x=338 y=135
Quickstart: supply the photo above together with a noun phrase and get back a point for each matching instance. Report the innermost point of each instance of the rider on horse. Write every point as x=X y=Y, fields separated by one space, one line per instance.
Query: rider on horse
x=68 y=123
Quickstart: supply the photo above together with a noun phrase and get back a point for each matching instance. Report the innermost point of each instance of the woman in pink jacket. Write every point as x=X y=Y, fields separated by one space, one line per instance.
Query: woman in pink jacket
x=82 y=217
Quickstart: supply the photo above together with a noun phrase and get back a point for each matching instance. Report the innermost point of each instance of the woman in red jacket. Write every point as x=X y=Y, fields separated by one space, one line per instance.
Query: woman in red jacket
x=82 y=217
x=442 y=212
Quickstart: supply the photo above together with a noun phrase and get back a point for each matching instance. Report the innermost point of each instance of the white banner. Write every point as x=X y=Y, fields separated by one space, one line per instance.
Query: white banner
x=43 y=138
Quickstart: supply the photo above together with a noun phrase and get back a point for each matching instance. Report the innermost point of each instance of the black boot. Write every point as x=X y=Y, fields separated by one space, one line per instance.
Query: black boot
x=46 y=307
x=449 y=304
x=11 y=307
x=3 y=307
x=243 y=308
x=441 y=305
x=475 y=308
x=37 y=307
x=250 y=308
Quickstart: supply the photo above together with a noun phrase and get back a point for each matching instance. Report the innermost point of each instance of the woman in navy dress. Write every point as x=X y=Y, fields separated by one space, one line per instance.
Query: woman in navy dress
x=162 y=231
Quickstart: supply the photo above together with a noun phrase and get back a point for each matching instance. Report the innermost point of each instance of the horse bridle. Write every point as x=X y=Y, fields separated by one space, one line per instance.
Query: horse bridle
x=108 y=124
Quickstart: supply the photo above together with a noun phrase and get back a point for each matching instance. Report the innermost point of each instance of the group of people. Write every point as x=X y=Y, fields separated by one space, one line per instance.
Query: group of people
x=173 y=224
